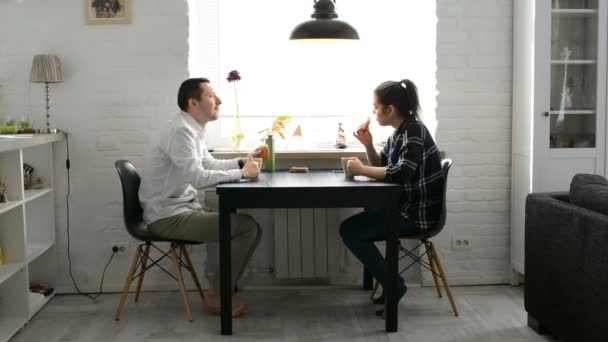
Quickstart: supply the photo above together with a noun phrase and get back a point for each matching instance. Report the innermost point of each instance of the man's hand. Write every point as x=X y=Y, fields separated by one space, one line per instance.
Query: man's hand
x=355 y=167
x=255 y=153
x=250 y=169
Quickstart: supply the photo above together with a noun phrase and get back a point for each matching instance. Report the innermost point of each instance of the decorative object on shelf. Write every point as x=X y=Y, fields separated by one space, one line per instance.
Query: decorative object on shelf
x=47 y=69
x=25 y=125
x=28 y=171
x=296 y=133
x=324 y=24
x=341 y=140
x=566 y=53
x=100 y=12
x=9 y=126
x=10 y=122
x=3 y=196
x=38 y=183
x=566 y=93
x=237 y=133
x=43 y=289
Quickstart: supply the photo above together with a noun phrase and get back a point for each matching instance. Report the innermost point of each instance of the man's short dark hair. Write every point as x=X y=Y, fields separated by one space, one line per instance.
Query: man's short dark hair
x=190 y=89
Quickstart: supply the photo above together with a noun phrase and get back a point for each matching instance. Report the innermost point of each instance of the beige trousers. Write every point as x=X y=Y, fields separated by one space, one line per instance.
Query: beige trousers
x=202 y=226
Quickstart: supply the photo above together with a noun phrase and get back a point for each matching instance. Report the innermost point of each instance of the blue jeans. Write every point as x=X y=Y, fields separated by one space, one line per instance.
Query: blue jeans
x=360 y=231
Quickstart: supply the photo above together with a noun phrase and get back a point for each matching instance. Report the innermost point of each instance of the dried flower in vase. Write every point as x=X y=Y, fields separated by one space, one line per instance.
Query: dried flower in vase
x=279 y=126
x=237 y=133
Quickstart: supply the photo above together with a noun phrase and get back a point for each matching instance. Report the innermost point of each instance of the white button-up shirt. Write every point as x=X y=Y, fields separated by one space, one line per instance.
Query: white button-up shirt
x=178 y=165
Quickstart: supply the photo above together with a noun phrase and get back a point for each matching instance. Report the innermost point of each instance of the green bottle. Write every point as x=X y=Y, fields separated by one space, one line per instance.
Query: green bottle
x=270 y=165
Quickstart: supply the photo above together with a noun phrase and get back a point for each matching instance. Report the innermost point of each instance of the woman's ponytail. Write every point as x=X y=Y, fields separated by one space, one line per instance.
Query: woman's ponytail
x=411 y=94
x=403 y=95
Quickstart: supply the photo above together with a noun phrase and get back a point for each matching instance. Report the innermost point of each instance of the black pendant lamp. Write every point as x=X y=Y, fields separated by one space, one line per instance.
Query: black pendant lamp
x=324 y=24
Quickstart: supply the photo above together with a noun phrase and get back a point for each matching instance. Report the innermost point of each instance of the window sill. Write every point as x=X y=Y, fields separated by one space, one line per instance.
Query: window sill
x=308 y=154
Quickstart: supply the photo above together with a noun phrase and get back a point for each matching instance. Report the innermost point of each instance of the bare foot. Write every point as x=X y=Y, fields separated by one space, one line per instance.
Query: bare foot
x=212 y=304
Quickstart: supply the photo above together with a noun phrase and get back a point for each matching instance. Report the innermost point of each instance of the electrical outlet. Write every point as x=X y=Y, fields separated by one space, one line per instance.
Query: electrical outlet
x=120 y=247
x=461 y=243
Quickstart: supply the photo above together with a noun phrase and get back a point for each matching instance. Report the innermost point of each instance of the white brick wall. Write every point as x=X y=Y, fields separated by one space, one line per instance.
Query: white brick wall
x=474 y=67
x=121 y=82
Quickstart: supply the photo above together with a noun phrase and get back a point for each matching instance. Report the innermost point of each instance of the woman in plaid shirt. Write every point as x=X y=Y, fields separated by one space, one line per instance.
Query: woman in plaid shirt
x=410 y=158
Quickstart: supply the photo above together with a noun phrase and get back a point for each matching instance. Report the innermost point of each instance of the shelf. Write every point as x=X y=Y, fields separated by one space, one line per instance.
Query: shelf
x=33 y=194
x=569 y=112
x=574 y=152
x=573 y=12
x=35 y=250
x=573 y=61
x=8 y=206
x=9 y=327
x=7 y=143
x=8 y=270
x=37 y=301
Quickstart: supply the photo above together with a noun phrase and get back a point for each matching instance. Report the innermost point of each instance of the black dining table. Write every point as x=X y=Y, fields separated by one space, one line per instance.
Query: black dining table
x=315 y=189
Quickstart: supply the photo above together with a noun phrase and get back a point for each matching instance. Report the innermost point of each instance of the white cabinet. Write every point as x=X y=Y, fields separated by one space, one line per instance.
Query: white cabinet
x=559 y=100
x=27 y=229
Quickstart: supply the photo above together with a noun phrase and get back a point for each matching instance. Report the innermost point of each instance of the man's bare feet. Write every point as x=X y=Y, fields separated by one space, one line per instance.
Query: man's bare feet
x=212 y=304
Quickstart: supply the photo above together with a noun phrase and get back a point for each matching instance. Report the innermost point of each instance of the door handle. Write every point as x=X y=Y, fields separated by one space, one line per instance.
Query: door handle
x=546 y=113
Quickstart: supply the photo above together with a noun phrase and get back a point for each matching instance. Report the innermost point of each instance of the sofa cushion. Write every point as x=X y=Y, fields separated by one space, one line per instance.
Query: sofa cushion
x=590 y=192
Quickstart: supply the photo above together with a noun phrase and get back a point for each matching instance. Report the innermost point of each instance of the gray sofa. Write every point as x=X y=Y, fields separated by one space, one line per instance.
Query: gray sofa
x=566 y=263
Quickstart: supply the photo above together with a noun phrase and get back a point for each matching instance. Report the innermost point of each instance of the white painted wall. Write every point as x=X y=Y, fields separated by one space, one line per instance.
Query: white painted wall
x=121 y=83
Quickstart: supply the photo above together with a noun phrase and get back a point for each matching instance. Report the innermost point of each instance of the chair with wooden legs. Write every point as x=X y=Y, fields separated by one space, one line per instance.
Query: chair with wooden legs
x=133 y=218
x=434 y=262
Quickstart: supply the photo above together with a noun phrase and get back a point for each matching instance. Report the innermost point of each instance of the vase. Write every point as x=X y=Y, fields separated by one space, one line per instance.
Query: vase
x=269 y=165
x=237 y=134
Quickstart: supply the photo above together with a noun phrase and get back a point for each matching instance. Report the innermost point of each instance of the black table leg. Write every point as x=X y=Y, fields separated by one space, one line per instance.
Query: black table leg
x=391 y=263
x=368 y=279
x=225 y=271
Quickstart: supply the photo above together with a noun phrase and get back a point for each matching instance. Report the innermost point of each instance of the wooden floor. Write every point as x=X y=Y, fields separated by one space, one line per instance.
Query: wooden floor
x=487 y=314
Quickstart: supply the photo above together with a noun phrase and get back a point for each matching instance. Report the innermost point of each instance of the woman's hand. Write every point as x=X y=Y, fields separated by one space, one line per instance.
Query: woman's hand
x=364 y=136
x=355 y=167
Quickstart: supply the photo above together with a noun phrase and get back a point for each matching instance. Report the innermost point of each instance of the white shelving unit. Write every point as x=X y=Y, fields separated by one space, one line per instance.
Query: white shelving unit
x=27 y=230
x=559 y=101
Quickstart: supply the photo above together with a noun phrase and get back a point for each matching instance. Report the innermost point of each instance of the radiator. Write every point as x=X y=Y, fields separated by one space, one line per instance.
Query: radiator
x=302 y=244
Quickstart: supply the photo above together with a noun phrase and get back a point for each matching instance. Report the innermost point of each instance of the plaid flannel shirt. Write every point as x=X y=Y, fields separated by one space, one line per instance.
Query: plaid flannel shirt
x=412 y=159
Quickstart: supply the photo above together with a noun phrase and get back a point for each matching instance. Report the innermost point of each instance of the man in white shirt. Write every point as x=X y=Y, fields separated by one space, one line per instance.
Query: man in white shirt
x=178 y=165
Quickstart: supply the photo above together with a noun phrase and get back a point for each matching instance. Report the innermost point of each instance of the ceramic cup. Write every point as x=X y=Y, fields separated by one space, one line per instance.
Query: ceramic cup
x=258 y=161
x=345 y=168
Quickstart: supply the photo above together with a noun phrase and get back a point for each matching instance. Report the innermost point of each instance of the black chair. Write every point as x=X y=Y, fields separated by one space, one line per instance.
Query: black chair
x=133 y=218
x=430 y=251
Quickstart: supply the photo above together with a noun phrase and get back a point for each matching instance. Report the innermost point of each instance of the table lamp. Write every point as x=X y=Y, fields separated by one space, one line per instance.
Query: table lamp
x=47 y=69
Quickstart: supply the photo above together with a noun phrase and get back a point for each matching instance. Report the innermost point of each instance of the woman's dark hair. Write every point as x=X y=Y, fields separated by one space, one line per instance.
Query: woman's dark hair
x=190 y=89
x=402 y=95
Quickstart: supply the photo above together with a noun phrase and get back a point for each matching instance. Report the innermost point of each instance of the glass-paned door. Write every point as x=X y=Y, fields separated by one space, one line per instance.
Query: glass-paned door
x=574 y=62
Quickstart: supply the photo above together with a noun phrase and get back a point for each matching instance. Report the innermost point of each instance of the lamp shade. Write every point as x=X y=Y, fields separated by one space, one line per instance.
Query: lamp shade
x=46 y=68
x=324 y=25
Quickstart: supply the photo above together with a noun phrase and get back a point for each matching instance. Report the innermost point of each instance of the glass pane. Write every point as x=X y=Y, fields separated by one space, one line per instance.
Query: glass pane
x=573 y=84
x=574 y=35
x=574 y=4
x=573 y=87
x=572 y=131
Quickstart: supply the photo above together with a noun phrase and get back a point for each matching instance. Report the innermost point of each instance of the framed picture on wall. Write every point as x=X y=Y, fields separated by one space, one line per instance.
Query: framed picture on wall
x=100 y=12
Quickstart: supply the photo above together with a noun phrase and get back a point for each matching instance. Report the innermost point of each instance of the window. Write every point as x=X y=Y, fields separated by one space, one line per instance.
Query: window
x=319 y=84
